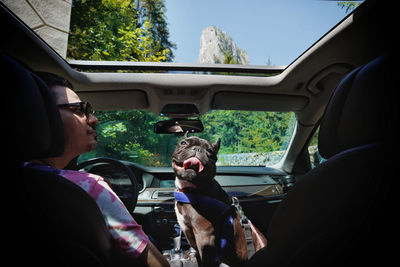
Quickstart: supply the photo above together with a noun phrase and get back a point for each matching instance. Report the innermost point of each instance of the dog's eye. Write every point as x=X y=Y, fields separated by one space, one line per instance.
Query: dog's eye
x=183 y=143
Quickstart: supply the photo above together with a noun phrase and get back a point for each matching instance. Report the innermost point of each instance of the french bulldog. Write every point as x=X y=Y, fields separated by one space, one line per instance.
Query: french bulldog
x=194 y=163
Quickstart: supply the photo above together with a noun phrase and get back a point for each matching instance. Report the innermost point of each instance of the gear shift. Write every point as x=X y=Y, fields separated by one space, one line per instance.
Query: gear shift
x=175 y=253
x=178 y=238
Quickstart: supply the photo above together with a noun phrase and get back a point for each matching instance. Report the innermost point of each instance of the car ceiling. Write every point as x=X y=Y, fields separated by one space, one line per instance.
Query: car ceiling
x=304 y=86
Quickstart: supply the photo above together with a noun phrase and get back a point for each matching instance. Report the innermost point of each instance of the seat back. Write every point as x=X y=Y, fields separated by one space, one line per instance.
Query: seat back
x=51 y=221
x=342 y=212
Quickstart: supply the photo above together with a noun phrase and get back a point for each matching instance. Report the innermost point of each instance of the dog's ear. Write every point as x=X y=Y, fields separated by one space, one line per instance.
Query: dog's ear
x=217 y=145
x=186 y=134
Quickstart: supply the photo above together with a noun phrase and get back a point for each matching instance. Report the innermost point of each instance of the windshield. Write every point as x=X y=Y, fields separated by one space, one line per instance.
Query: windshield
x=248 y=138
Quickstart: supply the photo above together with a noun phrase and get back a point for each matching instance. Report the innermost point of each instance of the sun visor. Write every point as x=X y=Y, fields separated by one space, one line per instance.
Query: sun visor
x=114 y=100
x=258 y=102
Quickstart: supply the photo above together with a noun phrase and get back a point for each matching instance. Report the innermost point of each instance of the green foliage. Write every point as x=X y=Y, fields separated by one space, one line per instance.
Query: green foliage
x=348 y=5
x=128 y=135
x=109 y=30
x=314 y=140
x=154 y=12
x=229 y=59
x=246 y=131
x=227 y=53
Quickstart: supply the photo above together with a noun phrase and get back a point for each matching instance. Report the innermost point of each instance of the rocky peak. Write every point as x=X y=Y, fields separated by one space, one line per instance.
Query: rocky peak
x=216 y=46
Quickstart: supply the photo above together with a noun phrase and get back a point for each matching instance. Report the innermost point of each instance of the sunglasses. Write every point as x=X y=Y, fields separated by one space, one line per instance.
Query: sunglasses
x=79 y=108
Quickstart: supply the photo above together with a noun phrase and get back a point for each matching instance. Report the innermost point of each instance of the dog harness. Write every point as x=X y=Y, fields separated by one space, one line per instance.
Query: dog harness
x=227 y=213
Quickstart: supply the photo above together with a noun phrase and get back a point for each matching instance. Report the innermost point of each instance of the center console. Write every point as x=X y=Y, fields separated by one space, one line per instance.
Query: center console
x=173 y=243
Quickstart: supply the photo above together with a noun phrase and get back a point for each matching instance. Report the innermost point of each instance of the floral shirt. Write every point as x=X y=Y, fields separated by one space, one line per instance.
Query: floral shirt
x=123 y=228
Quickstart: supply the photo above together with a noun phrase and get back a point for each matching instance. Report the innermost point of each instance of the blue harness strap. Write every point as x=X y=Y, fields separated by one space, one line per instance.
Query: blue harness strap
x=220 y=208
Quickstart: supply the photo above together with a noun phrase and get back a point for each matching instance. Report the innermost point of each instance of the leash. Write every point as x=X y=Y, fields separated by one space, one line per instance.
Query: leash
x=226 y=212
x=247 y=228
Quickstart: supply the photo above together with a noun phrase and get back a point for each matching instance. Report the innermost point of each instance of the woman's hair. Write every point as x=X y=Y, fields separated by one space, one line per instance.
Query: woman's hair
x=51 y=79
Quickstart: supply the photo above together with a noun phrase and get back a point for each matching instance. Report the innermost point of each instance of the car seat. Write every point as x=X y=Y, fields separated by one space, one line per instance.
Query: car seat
x=343 y=212
x=48 y=219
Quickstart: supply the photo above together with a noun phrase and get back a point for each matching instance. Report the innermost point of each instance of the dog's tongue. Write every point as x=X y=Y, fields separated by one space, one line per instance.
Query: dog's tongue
x=193 y=163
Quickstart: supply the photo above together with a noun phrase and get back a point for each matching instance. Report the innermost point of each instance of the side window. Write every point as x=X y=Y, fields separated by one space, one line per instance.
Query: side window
x=315 y=156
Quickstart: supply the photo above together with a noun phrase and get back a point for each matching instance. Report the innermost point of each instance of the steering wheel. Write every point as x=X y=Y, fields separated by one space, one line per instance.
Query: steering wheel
x=116 y=163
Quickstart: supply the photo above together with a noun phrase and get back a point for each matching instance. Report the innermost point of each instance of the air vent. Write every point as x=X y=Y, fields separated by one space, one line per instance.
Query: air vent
x=180 y=91
x=168 y=92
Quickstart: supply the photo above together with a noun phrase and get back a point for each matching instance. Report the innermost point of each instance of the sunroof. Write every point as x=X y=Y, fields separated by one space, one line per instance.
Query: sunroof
x=264 y=32
x=261 y=33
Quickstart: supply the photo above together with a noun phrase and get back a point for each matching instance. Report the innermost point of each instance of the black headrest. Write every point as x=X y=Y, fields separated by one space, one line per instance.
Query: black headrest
x=362 y=109
x=33 y=126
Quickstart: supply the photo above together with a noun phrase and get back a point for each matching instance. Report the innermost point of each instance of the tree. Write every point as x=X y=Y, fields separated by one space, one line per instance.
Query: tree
x=247 y=131
x=229 y=59
x=349 y=5
x=154 y=12
x=110 y=30
x=128 y=135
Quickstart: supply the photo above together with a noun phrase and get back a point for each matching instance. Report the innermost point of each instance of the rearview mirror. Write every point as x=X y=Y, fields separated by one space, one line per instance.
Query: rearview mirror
x=178 y=126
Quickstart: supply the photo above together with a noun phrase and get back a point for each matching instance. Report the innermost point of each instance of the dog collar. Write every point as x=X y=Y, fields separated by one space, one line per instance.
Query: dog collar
x=226 y=233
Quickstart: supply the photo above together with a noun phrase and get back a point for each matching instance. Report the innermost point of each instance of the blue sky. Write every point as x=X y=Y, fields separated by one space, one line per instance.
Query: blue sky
x=268 y=30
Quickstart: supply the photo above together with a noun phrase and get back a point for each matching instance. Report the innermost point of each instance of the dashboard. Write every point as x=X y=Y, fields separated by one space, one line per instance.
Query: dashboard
x=259 y=190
